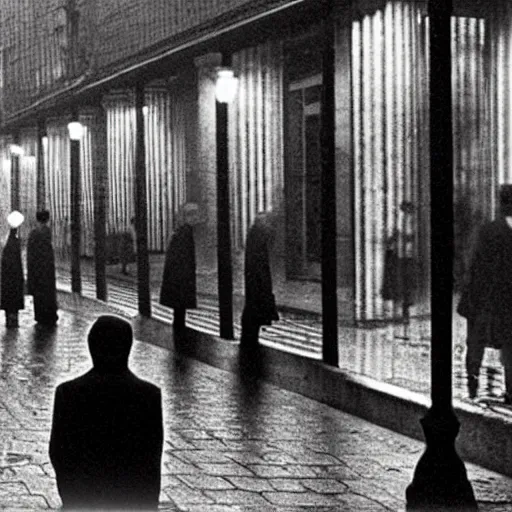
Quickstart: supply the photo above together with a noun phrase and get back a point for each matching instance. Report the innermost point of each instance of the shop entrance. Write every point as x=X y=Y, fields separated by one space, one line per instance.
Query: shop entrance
x=303 y=178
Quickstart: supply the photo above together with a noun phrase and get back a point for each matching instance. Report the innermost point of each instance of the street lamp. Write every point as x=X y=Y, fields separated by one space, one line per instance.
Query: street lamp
x=225 y=90
x=16 y=152
x=76 y=131
x=226 y=85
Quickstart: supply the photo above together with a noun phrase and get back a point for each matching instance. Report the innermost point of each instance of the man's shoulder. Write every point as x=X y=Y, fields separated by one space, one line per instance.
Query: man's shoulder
x=93 y=380
x=144 y=385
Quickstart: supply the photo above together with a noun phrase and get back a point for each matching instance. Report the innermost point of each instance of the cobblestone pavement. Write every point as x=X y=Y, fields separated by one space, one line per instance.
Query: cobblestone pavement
x=228 y=446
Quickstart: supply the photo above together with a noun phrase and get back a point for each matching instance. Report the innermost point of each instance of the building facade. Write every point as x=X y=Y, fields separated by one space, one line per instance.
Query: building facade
x=65 y=59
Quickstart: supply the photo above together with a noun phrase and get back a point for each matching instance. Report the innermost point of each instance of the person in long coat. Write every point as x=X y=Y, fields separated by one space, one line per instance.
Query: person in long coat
x=400 y=264
x=260 y=305
x=107 y=432
x=12 y=292
x=178 y=290
x=41 y=271
x=486 y=300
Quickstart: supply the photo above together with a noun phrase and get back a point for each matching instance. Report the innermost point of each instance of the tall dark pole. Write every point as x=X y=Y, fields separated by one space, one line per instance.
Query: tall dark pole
x=440 y=479
x=99 y=144
x=41 y=188
x=329 y=272
x=76 y=280
x=15 y=176
x=141 y=206
x=225 y=272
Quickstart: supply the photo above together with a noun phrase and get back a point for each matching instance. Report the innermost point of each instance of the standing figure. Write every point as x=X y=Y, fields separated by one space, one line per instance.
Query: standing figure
x=260 y=305
x=400 y=266
x=127 y=246
x=178 y=289
x=12 y=293
x=486 y=300
x=107 y=431
x=41 y=271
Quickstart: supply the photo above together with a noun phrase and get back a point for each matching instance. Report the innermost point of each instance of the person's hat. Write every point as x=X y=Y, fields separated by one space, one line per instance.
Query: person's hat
x=15 y=219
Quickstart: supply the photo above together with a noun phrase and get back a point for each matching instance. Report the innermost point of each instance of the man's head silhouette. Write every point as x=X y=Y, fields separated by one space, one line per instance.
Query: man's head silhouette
x=110 y=341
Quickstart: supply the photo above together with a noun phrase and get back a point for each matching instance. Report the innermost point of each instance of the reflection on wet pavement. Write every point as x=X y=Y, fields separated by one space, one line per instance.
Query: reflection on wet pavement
x=384 y=353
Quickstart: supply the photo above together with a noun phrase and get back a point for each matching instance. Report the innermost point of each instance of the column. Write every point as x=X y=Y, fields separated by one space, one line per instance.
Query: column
x=15 y=174
x=98 y=129
x=440 y=479
x=41 y=162
x=206 y=172
x=141 y=206
x=344 y=155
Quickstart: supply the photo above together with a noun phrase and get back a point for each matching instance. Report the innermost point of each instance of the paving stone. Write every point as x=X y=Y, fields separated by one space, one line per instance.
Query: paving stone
x=324 y=485
x=245 y=483
x=209 y=482
x=214 y=445
x=287 y=484
x=182 y=495
x=274 y=471
x=196 y=456
x=301 y=499
x=224 y=469
x=175 y=466
x=236 y=497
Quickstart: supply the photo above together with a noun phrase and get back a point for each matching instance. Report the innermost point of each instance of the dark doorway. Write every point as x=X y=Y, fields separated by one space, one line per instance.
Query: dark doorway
x=303 y=159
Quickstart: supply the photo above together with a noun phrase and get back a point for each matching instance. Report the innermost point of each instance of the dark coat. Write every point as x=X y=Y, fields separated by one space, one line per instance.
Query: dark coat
x=179 y=276
x=106 y=441
x=12 y=280
x=41 y=274
x=488 y=285
x=260 y=302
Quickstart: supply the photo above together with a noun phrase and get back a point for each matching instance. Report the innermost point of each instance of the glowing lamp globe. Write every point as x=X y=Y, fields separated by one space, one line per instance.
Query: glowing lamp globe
x=76 y=130
x=15 y=219
x=16 y=150
x=226 y=85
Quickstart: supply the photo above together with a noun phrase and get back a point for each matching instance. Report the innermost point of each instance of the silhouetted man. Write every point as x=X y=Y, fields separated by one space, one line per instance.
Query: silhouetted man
x=178 y=290
x=41 y=271
x=260 y=305
x=107 y=433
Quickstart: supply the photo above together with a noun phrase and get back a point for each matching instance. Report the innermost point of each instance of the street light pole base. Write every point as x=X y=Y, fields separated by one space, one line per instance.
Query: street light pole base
x=440 y=480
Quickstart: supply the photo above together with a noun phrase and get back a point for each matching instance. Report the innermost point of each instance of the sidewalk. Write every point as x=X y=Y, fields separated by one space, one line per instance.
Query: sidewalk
x=381 y=352
x=228 y=447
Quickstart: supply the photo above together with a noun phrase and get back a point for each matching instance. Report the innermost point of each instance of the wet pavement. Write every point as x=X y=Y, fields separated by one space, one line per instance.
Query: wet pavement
x=230 y=444
x=391 y=353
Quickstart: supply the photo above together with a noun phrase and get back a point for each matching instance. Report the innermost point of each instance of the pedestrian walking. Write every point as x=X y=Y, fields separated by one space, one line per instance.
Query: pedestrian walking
x=400 y=264
x=41 y=271
x=486 y=300
x=260 y=305
x=178 y=289
x=107 y=432
x=127 y=247
x=12 y=292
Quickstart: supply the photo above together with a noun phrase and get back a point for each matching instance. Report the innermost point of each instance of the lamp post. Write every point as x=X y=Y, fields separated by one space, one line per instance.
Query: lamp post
x=440 y=479
x=42 y=145
x=329 y=267
x=16 y=152
x=225 y=90
x=75 y=135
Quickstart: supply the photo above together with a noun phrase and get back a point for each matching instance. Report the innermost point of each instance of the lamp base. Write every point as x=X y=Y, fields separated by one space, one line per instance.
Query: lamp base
x=440 y=480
